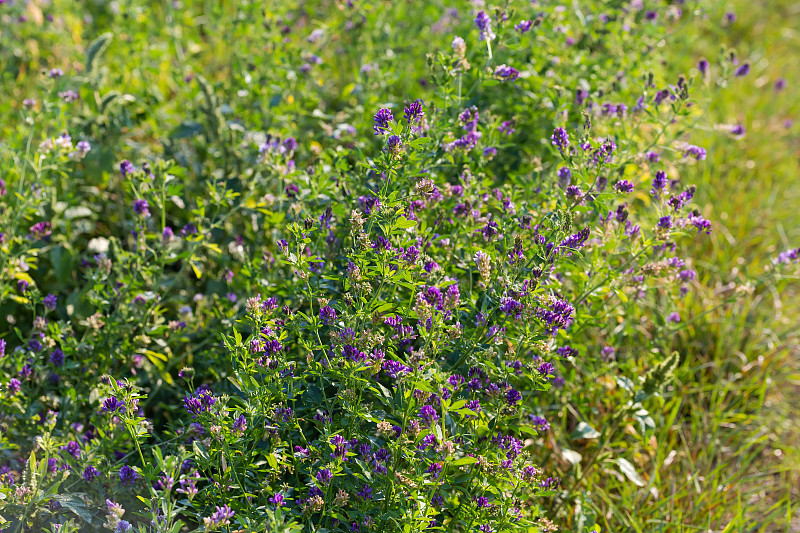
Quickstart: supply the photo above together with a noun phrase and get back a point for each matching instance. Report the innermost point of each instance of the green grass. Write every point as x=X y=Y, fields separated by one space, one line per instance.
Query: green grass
x=725 y=455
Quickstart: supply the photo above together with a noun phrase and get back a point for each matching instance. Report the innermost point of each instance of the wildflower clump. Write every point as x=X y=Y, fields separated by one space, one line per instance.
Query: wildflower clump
x=331 y=291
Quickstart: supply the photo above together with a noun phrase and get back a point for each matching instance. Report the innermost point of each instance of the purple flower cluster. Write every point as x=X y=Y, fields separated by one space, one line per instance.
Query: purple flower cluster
x=200 y=402
x=484 y=24
x=327 y=315
x=413 y=112
x=382 y=121
x=506 y=73
x=560 y=139
x=469 y=120
x=555 y=314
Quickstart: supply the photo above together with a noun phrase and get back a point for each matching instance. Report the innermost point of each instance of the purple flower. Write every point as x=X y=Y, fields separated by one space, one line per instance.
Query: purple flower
x=567 y=351
x=413 y=112
x=674 y=317
x=540 y=422
x=141 y=208
x=506 y=127
x=277 y=500
x=513 y=397
x=661 y=96
x=484 y=24
x=665 y=222
x=410 y=255
x=72 y=448
x=239 y=425
x=700 y=223
x=365 y=493
x=743 y=70
x=787 y=257
x=126 y=167
x=564 y=175
x=369 y=204
x=427 y=441
x=90 y=472
x=112 y=405
x=546 y=369
x=13 y=386
x=623 y=186
x=695 y=151
x=68 y=96
x=560 y=139
x=506 y=73
x=435 y=469
x=57 y=357
x=702 y=66
x=574 y=241
x=40 y=230
x=523 y=26
x=127 y=475
x=199 y=403
x=394 y=144
x=222 y=516
x=549 y=483
x=324 y=476
x=555 y=314
x=382 y=119
x=780 y=84
x=50 y=301
x=327 y=314
x=428 y=415
x=511 y=307
x=659 y=182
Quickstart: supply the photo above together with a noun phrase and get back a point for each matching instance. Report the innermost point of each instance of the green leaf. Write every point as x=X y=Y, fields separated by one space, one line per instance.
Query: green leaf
x=273 y=462
x=198 y=274
x=630 y=472
x=403 y=223
x=155 y=356
x=458 y=405
x=416 y=143
x=571 y=455
x=74 y=502
x=313 y=395
x=61 y=259
x=584 y=431
x=186 y=130
x=96 y=50
x=657 y=378
x=646 y=422
x=464 y=461
x=200 y=451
